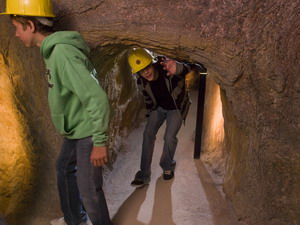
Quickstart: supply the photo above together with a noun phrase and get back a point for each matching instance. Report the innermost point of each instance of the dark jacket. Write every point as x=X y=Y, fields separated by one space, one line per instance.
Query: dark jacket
x=176 y=86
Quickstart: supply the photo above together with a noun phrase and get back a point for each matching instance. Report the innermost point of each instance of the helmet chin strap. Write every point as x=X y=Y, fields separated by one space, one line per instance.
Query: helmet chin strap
x=45 y=21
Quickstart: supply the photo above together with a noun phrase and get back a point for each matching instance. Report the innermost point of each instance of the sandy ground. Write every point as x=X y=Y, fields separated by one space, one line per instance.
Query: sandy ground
x=192 y=198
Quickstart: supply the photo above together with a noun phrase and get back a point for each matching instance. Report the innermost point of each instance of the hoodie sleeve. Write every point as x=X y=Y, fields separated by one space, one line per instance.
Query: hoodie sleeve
x=77 y=77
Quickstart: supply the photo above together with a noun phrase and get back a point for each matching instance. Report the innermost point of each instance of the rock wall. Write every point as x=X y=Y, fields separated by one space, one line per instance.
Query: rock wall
x=213 y=151
x=24 y=71
x=16 y=162
x=251 y=49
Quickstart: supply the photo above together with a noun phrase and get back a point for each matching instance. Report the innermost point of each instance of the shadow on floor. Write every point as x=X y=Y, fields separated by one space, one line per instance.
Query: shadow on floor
x=161 y=210
x=221 y=209
x=162 y=207
x=128 y=211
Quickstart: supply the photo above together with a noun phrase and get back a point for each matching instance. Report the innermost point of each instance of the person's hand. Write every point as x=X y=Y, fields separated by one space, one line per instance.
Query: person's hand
x=169 y=65
x=99 y=156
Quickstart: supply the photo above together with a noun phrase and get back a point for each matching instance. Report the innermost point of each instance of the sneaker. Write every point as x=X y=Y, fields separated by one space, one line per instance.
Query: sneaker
x=61 y=221
x=168 y=175
x=139 y=183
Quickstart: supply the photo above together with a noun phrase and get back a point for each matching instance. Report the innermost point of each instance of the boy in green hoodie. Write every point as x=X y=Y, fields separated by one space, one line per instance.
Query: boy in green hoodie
x=79 y=110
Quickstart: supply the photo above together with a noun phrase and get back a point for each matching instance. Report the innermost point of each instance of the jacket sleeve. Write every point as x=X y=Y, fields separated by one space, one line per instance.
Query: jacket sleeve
x=149 y=104
x=77 y=77
x=181 y=69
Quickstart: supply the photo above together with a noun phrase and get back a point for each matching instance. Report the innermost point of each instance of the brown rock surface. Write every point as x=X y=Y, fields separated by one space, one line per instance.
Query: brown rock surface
x=250 y=48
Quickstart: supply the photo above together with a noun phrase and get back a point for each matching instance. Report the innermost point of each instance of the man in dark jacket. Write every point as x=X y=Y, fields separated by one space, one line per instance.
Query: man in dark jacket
x=162 y=83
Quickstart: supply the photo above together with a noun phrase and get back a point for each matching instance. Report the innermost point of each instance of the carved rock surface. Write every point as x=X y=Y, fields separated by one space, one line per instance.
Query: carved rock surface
x=250 y=48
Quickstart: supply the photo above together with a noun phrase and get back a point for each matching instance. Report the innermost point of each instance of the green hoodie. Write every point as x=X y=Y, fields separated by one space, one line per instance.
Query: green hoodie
x=79 y=106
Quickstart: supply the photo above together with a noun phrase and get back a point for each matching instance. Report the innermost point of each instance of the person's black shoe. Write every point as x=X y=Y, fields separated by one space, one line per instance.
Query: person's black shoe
x=168 y=175
x=139 y=183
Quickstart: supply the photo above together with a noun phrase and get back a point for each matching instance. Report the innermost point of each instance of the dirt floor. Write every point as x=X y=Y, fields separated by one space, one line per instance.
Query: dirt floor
x=194 y=197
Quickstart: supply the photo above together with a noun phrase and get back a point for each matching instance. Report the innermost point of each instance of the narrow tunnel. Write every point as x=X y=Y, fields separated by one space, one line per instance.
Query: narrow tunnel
x=195 y=196
x=251 y=51
x=111 y=62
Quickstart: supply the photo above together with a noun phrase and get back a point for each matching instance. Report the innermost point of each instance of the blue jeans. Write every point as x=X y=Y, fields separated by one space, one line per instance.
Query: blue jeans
x=80 y=182
x=155 y=120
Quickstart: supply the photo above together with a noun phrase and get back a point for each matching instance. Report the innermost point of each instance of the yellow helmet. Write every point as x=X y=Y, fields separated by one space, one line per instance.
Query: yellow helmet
x=38 y=8
x=139 y=59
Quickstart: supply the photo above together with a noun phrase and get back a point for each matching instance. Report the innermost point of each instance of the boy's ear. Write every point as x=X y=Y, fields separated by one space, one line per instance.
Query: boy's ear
x=31 y=26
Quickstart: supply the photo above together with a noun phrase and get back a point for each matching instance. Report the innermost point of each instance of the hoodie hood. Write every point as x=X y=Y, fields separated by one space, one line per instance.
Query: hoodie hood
x=63 y=37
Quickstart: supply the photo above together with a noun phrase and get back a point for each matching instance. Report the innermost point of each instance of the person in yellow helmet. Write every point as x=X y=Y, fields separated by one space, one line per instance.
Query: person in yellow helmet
x=162 y=83
x=79 y=109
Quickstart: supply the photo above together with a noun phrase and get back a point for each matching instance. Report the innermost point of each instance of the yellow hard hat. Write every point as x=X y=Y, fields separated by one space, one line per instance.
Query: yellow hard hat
x=38 y=8
x=139 y=59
